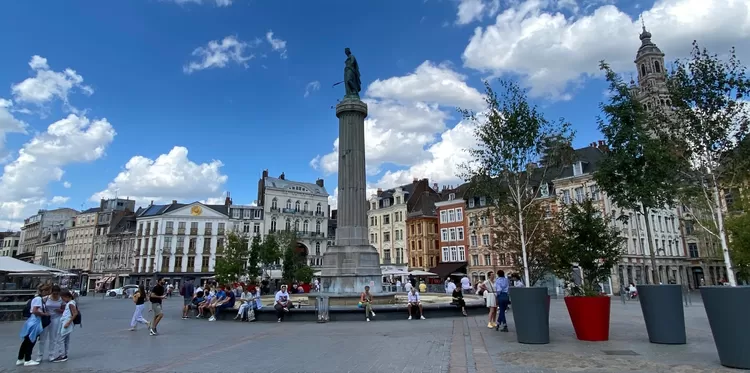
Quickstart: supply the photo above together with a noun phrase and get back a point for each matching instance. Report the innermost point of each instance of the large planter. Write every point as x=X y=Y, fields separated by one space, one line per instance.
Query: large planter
x=726 y=308
x=590 y=317
x=663 y=313
x=531 y=314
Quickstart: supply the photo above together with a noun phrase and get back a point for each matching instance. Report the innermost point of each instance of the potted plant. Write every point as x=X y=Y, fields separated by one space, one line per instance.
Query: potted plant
x=583 y=255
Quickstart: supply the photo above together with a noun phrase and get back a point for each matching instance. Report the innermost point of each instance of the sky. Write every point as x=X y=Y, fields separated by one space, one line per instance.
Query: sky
x=160 y=100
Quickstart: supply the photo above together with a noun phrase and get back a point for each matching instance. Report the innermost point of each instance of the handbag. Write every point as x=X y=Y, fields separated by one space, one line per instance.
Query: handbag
x=46 y=320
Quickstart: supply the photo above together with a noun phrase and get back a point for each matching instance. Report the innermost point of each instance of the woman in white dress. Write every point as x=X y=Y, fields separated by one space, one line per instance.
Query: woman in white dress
x=490 y=298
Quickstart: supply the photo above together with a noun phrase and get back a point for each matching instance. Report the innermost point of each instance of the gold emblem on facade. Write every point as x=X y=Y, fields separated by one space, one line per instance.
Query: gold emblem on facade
x=196 y=210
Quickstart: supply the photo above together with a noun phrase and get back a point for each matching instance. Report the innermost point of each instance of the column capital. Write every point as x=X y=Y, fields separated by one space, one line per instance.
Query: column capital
x=347 y=105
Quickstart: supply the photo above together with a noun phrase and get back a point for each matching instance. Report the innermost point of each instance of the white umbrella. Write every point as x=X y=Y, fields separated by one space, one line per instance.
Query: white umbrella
x=422 y=273
x=394 y=272
x=12 y=265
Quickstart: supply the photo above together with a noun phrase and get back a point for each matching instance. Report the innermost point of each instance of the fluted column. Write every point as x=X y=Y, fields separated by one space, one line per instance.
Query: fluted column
x=352 y=208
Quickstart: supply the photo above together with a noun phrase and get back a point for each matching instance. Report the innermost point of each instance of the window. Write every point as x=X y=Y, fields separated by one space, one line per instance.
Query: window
x=485 y=239
x=256 y=228
x=483 y=220
x=657 y=67
x=452 y=232
x=206 y=244
x=386 y=236
x=305 y=226
x=273 y=225
x=257 y=214
x=643 y=69
x=317 y=248
x=474 y=240
x=204 y=263
x=566 y=196
x=444 y=234
x=689 y=228
x=487 y=260
x=274 y=203
x=459 y=214
x=460 y=233
x=475 y=260
x=288 y=224
x=482 y=201
x=693 y=249
x=296 y=225
x=318 y=209
x=190 y=264
x=178 y=263
x=471 y=203
x=577 y=169
x=398 y=200
x=305 y=207
x=387 y=219
x=502 y=260
x=372 y=238
x=454 y=254
x=579 y=194
x=289 y=204
x=236 y=213
x=594 y=191
x=192 y=243
x=443 y=216
x=451 y=196
x=451 y=215
x=246 y=214
x=245 y=227
x=317 y=226
x=297 y=206
x=461 y=253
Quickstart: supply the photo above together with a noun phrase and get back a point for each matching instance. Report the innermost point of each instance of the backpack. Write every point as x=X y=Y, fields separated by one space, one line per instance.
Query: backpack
x=77 y=319
x=27 y=309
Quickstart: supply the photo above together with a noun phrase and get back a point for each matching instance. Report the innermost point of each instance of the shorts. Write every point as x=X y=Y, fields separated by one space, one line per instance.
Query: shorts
x=156 y=307
x=188 y=301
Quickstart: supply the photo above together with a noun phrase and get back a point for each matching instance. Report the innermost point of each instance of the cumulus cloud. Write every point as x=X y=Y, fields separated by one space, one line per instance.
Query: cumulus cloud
x=553 y=53
x=474 y=10
x=171 y=176
x=8 y=124
x=219 y=53
x=48 y=84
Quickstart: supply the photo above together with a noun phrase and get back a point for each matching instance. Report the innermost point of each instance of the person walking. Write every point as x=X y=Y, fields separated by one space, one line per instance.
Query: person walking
x=139 y=298
x=66 y=324
x=188 y=294
x=51 y=334
x=490 y=298
x=503 y=299
x=33 y=327
x=157 y=296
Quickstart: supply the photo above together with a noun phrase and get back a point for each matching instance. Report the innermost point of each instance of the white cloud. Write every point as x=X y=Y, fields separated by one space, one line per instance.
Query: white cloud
x=48 y=84
x=474 y=10
x=219 y=3
x=312 y=87
x=171 y=176
x=277 y=45
x=67 y=185
x=218 y=54
x=406 y=116
x=333 y=199
x=8 y=124
x=552 y=53
x=59 y=200
x=74 y=139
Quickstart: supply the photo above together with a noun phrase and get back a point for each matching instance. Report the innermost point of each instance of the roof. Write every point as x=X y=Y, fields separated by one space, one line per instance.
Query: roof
x=156 y=210
x=459 y=192
x=276 y=183
x=123 y=224
x=588 y=156
x=92 y=210
x=424 y=205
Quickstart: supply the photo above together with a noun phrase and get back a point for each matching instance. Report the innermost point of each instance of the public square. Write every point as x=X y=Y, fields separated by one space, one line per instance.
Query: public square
x=452 y=345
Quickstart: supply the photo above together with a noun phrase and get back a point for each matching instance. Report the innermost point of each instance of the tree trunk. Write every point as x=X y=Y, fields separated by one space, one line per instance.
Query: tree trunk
x=523 y=236
x=723 y=235
x=652 y=251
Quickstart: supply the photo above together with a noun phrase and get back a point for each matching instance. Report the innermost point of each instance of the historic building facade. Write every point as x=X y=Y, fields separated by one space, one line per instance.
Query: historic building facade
x=386 y=216
x=452 y=226
x=79 y=241
x=44 y=222
x=114 y=258
x=50 y=250
x=11 y=242
x=422 y=231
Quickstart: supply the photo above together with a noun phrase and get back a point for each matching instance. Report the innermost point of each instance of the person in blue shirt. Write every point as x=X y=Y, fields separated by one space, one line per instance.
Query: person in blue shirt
x=226 y=300
x=503 y=299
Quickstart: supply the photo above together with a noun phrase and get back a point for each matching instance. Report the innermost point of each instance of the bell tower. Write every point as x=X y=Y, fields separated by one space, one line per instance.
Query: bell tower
x=649 y=62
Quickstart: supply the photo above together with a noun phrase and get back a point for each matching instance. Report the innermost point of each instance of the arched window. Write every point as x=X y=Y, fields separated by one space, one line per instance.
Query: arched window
x=305 y=207
x=288 y=224
x=317 y=226
x=296 y=206
x=306 y=226
x=317 y=248
x=657 y=67
x=296 y=225
x=643 y=69
x=318 y=208
x=289 y=204
x=274 y=203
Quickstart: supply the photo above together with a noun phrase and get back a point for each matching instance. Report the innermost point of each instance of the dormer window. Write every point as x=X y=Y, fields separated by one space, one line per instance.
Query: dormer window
x=577 y=169
x=452 y=196
x=482 y=201
x=544 y=190
x=471 y=203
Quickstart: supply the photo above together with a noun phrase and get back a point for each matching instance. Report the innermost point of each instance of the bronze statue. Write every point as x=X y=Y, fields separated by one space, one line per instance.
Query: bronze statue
x=352 y=83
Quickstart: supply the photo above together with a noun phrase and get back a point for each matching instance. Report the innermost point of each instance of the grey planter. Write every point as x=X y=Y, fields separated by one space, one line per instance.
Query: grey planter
x=663 y=313
x=726 y=308
x=531 y=314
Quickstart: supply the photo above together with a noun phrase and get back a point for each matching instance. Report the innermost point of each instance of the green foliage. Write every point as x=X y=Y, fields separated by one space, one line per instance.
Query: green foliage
x=738 y=229
x=294 y=267
x=304 y=273
x=269 y=253
x=516 y=146
x=588 y=240
x=253 y=260
x=232 y=265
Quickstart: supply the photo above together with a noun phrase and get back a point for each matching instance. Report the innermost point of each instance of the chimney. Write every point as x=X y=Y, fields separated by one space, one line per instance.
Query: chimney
x=265 y=173
x=601 y=142
x=380 y=190
x=152 y=203
x=593 y=145
x=174 y=201
x=415 y=180
x=435 y=186
x=320 y=182
x=228 y=200
x=282 y=176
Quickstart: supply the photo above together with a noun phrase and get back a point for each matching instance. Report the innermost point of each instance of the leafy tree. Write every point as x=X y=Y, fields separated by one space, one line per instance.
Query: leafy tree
x=232 y=265
x=516 y=148
x=304 y=273
x=640 y=169
x=587 y=239
x=291 y=259
x=540 y=227
x=738 y=228
x=253 y=260
x=708 y=119
x=269 y=253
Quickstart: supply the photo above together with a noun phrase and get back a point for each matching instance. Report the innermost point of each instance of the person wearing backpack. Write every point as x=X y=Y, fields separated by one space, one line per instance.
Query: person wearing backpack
x=67 y=321
x=33 y=327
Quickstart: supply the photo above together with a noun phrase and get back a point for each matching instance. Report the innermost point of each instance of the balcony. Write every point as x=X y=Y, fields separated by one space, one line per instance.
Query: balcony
x=275 y=209
x=320 y=213
x=207 y=232
x=154 y=232
x=166 y=250
x=181 y=231
x=220 y=232
x=169 y=231
x=193 y=231
x=140 y=233
x=288 y=211
x=204 y=269
x=180 y=249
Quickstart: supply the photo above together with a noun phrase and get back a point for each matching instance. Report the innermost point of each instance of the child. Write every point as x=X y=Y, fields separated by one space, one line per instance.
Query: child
x=66 y=321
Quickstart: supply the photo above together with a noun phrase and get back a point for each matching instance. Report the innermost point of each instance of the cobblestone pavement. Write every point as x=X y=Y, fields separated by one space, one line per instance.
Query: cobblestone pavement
x=461 y=345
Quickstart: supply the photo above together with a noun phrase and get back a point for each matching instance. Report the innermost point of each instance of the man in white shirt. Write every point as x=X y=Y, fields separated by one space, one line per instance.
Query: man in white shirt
x=281 y=303
x=451 y=287
x=414 y=302
x=466 y=285
x=408 y=287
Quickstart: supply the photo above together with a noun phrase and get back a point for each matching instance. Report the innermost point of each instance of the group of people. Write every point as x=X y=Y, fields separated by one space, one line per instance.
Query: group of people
x=495 y=292
x=51 y=319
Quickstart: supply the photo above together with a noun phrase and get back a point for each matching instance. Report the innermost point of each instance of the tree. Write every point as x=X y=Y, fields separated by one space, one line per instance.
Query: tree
x=738 y=228
x=292 y=260
x=709 y=119
x=269 y=253
x=253 y=260
x=516 y=147
x=587 y=240
x=232 y=265
x=640 y=169
x=540 y=227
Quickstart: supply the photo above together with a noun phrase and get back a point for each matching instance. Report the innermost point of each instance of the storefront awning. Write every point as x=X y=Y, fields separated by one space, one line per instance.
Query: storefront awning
x=445 y=269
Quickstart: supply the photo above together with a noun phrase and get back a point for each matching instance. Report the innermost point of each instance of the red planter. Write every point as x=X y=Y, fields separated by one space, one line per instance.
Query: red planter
x=590 y=317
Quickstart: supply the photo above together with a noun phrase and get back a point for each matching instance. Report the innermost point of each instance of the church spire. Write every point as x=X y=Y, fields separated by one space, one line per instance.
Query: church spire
x=649 y=60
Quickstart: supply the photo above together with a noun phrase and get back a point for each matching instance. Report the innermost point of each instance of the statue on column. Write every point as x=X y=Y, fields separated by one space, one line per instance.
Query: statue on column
x=352 y=82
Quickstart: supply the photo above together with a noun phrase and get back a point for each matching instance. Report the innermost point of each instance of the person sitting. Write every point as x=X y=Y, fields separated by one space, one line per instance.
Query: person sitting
x=247 y=302
x=365 y=300
x=281 y=303
x=422 y=287
x=458 y=300
x=222 y=298
x=210 y=295
x=414 y=302
x=197 y=301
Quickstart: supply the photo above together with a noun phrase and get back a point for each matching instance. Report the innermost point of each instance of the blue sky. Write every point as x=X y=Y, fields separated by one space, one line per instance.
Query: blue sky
x=268 y=104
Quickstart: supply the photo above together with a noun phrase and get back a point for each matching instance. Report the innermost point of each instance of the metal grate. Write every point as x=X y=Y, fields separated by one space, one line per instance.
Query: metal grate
x=620 y=352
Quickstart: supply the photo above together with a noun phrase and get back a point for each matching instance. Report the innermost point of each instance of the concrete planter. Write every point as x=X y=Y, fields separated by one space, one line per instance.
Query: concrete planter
x=531 y=314
x=726 y=308
x=663 y=313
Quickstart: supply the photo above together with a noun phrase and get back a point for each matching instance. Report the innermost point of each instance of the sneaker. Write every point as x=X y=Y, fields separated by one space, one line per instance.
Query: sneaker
x=211 y=318
x=60 y=359
x=184 y=317
x=151 y=331
x=237 y=317
x=421 y=318
x=19 y=362
x=38 y=360
x=373 y=313
x=368 y=319
x=504 y=329
x=279 y=320
x=409 y=318
x=31 y=363
x=132 y=329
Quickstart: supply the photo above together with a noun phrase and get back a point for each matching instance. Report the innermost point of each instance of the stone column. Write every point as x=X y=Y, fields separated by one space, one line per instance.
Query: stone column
x=352 y=200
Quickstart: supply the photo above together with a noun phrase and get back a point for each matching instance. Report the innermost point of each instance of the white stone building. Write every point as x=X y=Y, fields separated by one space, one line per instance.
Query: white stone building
x=178 y=241
x=79 y=241
x=10 y=244
x=386 y=217
x=296 y=206
x=36 y=226
x=50 y=250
